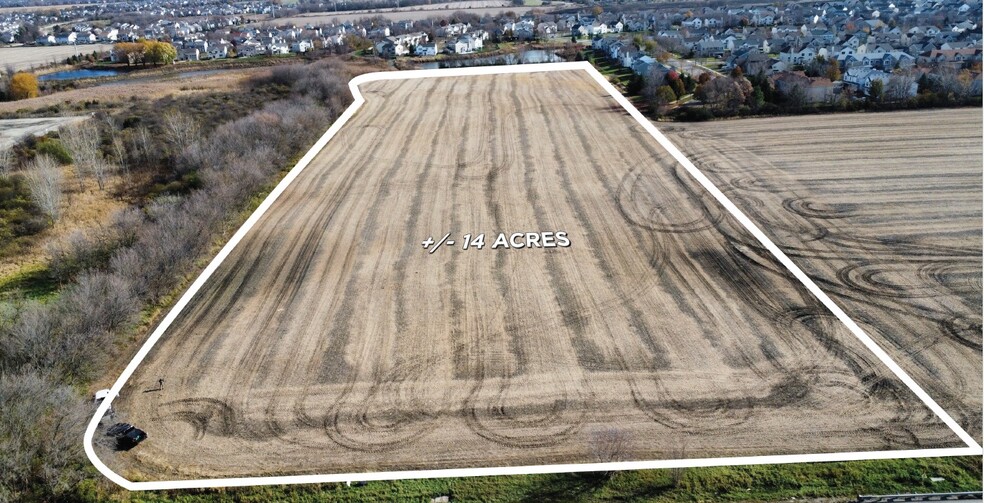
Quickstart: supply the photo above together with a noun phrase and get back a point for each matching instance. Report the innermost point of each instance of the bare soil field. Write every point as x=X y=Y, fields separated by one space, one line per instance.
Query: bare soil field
x=884 y=212
x=330 y=341
x=44 y=8
x=25 y=58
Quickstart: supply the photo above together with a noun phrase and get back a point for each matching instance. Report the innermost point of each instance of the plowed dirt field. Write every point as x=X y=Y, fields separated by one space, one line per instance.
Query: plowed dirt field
x=331 y=341
x=884 y=212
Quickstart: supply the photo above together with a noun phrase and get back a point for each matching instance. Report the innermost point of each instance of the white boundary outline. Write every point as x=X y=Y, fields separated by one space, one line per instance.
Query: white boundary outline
x=972 y=448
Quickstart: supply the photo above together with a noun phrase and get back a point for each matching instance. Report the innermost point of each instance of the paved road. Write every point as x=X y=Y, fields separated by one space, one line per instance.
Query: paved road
x=13 y=130
x=692 y=68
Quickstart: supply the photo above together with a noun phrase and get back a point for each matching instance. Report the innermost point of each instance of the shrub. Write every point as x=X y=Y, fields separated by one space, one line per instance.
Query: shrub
x=23 y=85
x=55 y=149
x=19 y=215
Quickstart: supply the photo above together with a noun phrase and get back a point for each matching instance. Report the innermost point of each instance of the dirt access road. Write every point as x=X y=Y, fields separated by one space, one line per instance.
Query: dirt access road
x=884 y=212
x=14 y=130
x=330 y=341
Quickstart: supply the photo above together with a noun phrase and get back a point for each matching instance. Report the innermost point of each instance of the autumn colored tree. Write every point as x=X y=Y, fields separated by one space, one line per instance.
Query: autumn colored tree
x=157 y=52
x=24 y=85
x=131 y=52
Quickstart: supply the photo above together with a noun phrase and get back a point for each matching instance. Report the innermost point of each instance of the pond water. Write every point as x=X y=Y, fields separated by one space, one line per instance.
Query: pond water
x=530 y=56
x=78 y=74
x=167 y=76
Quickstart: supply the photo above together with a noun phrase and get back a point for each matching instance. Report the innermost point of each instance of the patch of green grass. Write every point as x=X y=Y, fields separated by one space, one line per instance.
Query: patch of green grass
x=30 y=282
x=20 y=217
x=608 y=67
x=739 y=483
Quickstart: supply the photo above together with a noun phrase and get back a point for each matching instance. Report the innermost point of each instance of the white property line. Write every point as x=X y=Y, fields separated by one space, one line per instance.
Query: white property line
x=972 y=448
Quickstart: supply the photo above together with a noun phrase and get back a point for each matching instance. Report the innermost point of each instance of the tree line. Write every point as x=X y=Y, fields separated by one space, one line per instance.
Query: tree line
x=737 y=94
x=50 y=350
x=145 y=51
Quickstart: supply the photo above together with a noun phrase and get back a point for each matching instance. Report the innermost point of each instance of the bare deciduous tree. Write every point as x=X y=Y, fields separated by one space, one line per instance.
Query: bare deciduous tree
x=180 y=130
x=609 y=445
x=677 y=474
x=101 y=169
x=6 y=161
x=82 y=140
x=115 y=309
x=900 y=87
x=117 y=147
x=44 y=179
x=40 y=426
x=120 y=154
x=143 y=144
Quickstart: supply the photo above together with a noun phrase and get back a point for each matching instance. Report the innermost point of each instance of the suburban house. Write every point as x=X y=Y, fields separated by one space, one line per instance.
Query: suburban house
x=389 y=48
x=301 y=46
x=189 y=54
x=425 y=50
x=277 y=48
x=399 y=45
x=453 y=30
x=219 y=50
x=861 y=78
x=466 y=44
x=250 y=48
x=813 y=89
x=546 y=29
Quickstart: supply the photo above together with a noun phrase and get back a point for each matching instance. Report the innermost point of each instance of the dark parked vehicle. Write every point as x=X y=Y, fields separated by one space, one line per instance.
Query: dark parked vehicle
x=127 y=436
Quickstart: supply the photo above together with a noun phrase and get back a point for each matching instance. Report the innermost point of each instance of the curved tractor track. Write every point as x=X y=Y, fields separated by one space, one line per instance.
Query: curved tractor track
x=897 y=199
x=330 y=341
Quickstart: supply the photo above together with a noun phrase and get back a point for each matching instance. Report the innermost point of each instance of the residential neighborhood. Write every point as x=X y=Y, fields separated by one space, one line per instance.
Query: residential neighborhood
x=820 y=49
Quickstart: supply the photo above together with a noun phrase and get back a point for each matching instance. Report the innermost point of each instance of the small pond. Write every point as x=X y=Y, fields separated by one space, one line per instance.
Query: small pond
x=78 y=74
x=530 y=56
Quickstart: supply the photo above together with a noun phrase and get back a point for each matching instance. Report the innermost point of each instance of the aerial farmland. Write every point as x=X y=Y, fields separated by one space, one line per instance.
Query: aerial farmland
x=26 y=58
x=508 y=270
x=884 y=210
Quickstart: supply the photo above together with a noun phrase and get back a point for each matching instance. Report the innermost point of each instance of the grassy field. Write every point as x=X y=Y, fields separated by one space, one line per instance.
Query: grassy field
x=829 y=481
x=75 y=101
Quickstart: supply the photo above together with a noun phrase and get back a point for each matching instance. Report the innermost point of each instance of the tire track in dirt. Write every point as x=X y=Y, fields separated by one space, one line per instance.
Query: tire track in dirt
x=489 y=409
x=622 y=296
x=500 y=163
x=794 y=362
x=331 y=384
x=923 y=292
x=686 y=414
x=279 y=417
x=346 y=422
x=198 y=411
